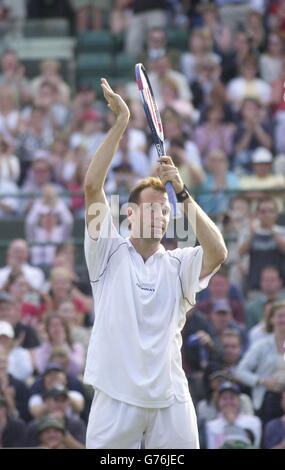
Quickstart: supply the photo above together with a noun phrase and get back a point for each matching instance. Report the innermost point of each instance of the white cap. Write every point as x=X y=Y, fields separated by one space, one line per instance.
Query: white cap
x=261 y=155
x=6 y=329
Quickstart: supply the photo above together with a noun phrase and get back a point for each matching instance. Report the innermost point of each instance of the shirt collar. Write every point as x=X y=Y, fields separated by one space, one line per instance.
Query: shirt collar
x=160 y=251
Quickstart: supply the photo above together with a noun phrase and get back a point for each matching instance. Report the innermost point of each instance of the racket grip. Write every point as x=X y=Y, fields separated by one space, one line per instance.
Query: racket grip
x=171 y=196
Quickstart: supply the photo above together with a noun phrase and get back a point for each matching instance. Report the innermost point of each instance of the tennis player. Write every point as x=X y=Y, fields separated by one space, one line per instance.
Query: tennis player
x=141 y=295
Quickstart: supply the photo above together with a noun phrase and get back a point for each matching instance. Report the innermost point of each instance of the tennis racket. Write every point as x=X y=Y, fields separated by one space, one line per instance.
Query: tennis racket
x=154 y=122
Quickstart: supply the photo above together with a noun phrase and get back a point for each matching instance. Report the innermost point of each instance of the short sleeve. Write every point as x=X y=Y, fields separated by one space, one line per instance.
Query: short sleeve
x=97 y=252
x=190 y=270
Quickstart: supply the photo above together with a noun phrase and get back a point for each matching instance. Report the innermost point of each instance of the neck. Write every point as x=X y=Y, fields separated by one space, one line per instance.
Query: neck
x=145 y=248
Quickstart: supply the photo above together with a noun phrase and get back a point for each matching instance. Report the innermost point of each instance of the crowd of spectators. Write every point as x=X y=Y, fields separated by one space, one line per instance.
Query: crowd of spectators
x=223 y=110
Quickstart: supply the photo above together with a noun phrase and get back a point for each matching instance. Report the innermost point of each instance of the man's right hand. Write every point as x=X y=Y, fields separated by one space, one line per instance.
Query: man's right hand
x=115 y=101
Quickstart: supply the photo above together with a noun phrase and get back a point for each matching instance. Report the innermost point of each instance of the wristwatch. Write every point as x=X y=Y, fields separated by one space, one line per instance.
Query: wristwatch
x=183 y=195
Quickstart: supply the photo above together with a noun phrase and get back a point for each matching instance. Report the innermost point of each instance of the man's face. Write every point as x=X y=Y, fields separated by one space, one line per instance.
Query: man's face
x=219 y=286
x=150 y=218
x=270 y=281
x=229 y=401
x=220 y=320
x=267 y=214
x=8 y=312
x=232 y=349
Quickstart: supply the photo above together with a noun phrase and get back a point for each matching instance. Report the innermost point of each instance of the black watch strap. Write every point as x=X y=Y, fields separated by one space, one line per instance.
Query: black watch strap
x=183 y=195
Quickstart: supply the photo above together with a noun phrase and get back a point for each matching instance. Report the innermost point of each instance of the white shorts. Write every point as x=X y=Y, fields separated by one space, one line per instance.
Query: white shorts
x=117 y=425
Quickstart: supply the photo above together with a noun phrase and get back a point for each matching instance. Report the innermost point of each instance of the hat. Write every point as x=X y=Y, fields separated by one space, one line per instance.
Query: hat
x=218 y=374
x=49 y=422
x=221 y=305
x=261 y=155
x=6 y=329
x=52 y=366
x=56 y=391
x=6 y=298
x=229 y=387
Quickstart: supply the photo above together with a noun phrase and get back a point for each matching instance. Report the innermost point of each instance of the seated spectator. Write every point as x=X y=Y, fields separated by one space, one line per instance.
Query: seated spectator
x=91 y=14
x=53 y=376
x=49 y=221
x=270 y=63
x=9 y=197
x=52 y=434
x=247 y=85
x=14 y=391
x=263 y=328
x=264 y=241
x=50 y=72
x=13 y=76
x=28 y=301
x=120 y=16
x=17 y=260
x=12 y=430
x=220 y=288
x=207 y=409
x=221 y=319
x=217 y=182
x=169 y=98
x=10 y=312
x=274 y=433
x=214 y=133
x=160 y=70
x=229 y=406
x=262 y=179
x=252 y=132
x=156 y=46
x=49 y=99
x=9 y=163
x=19 y=359
x=90 y=133
x=39 y=176
x=79 y=334
x=9 y=114
x=58 y=335
x=263 y=369
x=234 y=57
x=270 y=290
x=198 y=48
x=56 y=403
x=207 y=83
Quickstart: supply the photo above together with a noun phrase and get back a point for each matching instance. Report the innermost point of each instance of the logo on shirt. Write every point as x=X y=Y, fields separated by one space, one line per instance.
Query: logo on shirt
x=149 y=289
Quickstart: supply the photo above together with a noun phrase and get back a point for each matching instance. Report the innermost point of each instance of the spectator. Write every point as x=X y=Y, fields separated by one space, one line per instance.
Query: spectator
x=13 y=76
x=270 y=290
x=274 y=433
x=247 y=85
x=251 y=133
x=218 y=181
x=91 y=13
x=58 y=335
x=9 y=163
x=229 y=406
x=9 y=196
x=270 y=63
x=56 y=403
x=156 y=46
x=262 y=178
x=12 y=430
x=214 y=133
x=17 y=260
x=9 y=114
x=14 y=391
x=263 y=368
x=198 y=48
x=79 y=334
x=262 y=329
x=19 y=359
x=147 y=14
x=220 y=288
x=9 y=312
x=50 y=72
x=207 y=83
x=120 y=16
x=53 y=376
x=264 y=240
x=90 y=134
x=49 y=221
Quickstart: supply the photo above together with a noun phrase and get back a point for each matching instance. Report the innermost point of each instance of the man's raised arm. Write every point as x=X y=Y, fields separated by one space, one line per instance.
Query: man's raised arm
x=98 y=168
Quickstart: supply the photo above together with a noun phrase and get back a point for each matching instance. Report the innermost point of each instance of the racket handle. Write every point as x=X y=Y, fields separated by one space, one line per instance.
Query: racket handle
x=171 y=196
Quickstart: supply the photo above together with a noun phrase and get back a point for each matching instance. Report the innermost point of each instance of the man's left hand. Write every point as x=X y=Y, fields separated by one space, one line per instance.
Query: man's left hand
x=167 y=171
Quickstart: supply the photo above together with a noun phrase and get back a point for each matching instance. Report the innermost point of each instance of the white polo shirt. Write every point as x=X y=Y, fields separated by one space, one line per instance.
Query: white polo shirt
x=134 y=350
